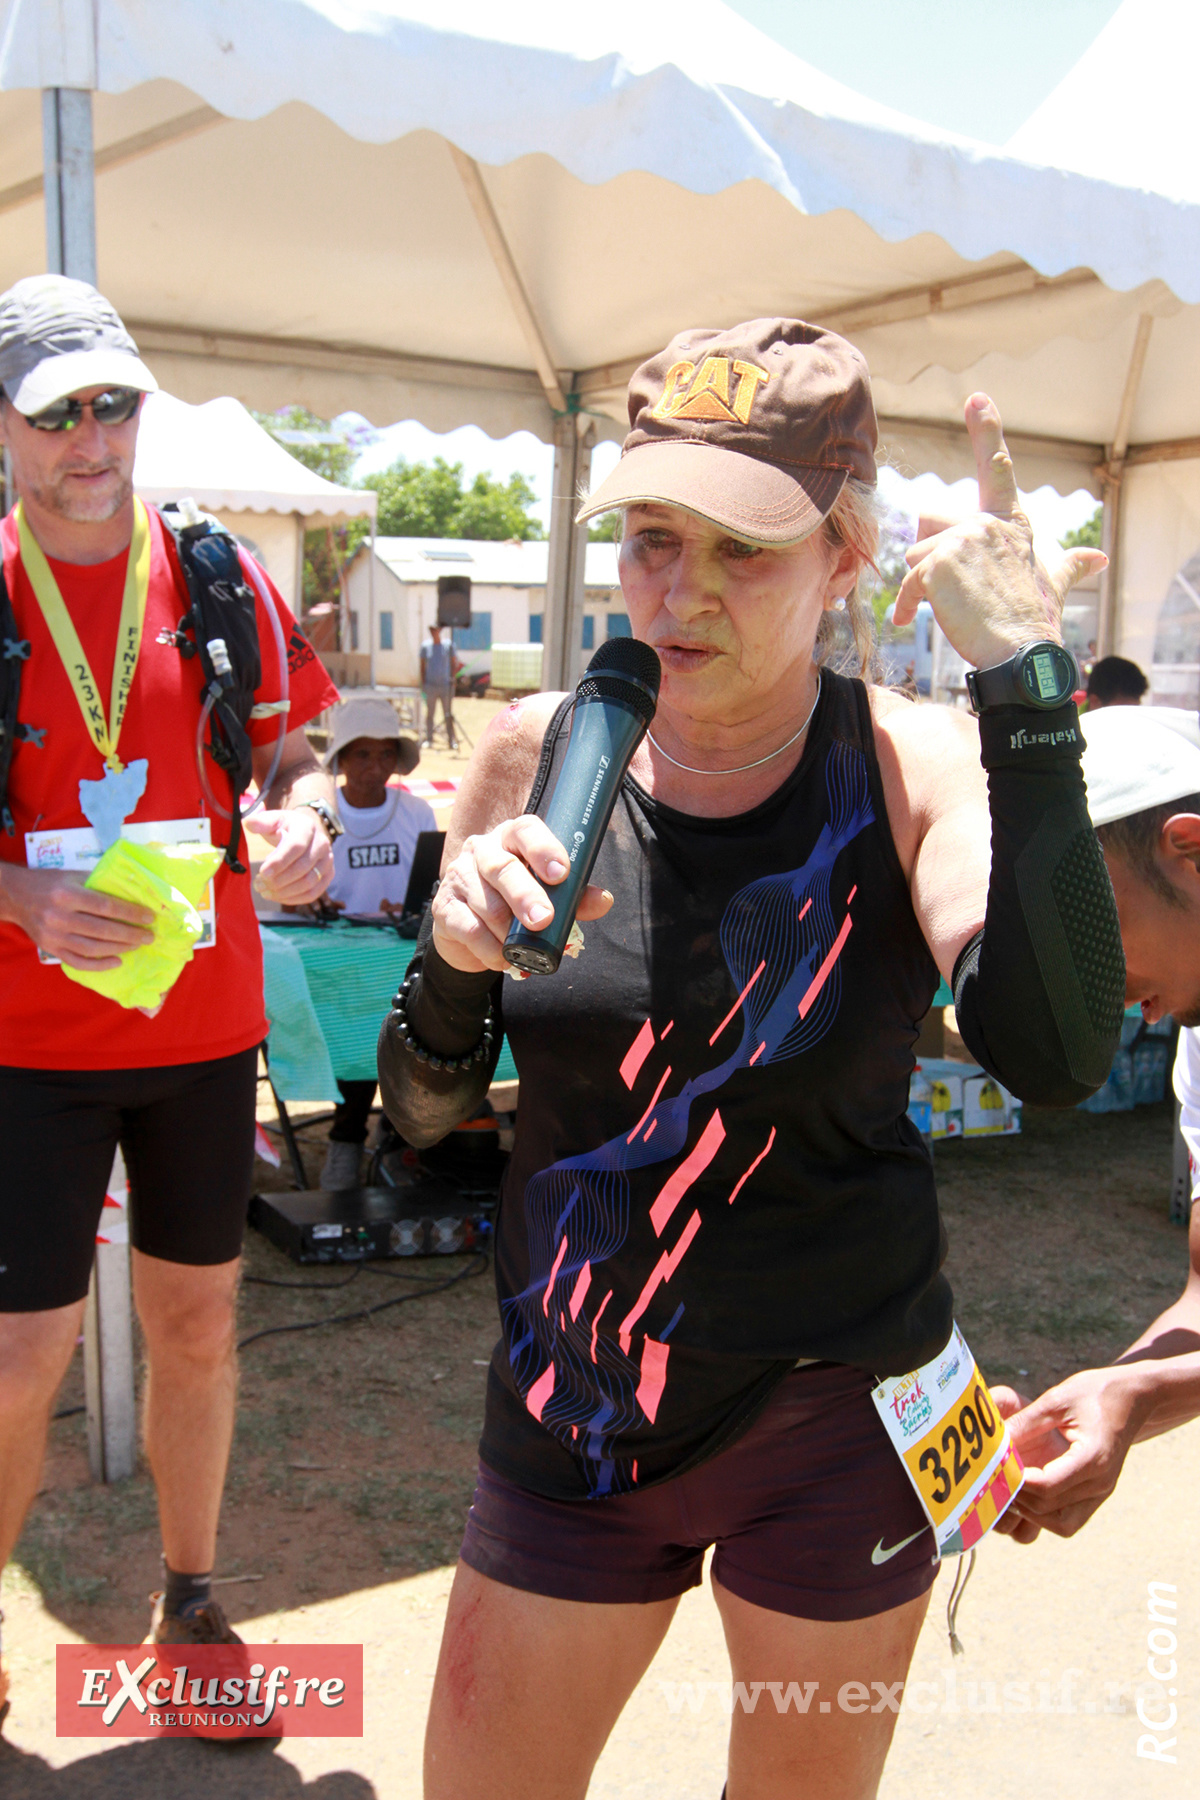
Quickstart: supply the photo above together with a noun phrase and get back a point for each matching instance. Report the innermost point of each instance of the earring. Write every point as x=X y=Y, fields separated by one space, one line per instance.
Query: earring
x=839 y=605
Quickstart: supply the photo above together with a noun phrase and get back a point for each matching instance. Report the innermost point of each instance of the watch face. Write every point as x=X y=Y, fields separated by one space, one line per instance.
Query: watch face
x=1048 y=675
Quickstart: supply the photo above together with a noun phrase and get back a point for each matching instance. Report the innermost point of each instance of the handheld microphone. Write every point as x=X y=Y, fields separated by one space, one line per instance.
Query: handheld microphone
x=614 y=704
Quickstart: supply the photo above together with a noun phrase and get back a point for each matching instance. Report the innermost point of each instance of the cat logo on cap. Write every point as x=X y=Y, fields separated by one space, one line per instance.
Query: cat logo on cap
x=708 y=396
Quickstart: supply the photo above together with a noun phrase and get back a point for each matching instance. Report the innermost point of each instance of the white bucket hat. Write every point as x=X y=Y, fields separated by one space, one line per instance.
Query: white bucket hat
x=370 y=718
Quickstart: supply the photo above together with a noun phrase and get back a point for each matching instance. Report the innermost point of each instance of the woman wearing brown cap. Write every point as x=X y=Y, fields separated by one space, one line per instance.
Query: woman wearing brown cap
x=718 y=1225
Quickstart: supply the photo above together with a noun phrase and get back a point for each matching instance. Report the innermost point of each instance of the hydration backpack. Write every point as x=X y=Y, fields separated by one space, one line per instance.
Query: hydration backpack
x=220 y=626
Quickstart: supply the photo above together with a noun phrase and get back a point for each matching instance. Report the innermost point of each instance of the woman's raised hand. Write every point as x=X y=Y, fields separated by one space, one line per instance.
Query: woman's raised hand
x=989 y=592
x=497 y=876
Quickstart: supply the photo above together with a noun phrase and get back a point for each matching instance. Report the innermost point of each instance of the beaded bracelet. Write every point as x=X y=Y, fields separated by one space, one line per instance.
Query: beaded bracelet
x=422 y=1052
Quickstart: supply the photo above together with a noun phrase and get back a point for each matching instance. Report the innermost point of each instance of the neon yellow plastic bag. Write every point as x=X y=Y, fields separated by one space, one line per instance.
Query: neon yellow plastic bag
x=171 y=880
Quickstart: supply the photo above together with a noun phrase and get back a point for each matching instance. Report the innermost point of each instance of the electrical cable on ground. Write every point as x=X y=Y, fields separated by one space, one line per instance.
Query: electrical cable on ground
x=431 y=1284
x=477 y=1266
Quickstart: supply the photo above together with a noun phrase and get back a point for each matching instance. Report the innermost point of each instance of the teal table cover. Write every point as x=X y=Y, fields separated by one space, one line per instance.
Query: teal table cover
x=340 y=979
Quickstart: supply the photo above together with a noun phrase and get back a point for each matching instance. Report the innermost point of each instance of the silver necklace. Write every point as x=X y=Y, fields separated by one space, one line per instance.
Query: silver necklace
x=742 y=767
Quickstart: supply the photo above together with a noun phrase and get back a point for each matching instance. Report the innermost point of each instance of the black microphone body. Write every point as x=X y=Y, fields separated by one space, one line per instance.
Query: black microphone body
x=614 y=704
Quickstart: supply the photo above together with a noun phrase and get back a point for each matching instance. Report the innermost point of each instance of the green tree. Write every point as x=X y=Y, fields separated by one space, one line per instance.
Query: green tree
x=317 y=444
x=1087 y=535
x=430 y=500
x=882 y=583
x=489 y=510
x=312 y=441
x=606 y=529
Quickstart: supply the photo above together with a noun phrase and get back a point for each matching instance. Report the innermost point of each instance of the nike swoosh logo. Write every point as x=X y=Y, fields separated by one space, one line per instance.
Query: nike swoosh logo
x=880 y=1555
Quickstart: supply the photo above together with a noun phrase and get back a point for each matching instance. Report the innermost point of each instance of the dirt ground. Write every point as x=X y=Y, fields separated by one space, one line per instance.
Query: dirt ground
x=355 y=1446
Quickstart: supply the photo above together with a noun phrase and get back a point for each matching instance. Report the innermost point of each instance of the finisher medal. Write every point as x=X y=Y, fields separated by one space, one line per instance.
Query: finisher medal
x=106 y=803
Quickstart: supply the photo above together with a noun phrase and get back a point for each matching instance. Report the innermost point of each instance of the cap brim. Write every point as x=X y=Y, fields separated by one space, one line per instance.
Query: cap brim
x=57 y=376
x=1134 y=760
x=753 y=500
x=399 y=738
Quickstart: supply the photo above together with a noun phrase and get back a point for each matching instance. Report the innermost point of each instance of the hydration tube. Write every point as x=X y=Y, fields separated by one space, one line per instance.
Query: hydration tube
x=217 y=650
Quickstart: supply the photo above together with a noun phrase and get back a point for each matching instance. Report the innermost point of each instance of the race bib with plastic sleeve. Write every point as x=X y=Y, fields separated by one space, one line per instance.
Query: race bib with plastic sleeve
x=956 y=1449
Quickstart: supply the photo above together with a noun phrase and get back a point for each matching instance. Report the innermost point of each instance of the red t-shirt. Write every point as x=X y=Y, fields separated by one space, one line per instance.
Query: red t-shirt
x=216 y=1007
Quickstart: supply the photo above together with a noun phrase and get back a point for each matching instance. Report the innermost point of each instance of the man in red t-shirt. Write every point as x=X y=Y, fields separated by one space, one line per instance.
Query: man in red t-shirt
x=94 y=584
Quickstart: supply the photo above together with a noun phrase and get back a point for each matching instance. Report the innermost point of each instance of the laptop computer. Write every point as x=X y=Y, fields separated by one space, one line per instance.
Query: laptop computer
x=426 y=862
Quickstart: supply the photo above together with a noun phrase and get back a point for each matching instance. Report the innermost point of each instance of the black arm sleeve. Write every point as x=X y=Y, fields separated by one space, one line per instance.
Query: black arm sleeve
x=446 y=1010
x=1040 y=991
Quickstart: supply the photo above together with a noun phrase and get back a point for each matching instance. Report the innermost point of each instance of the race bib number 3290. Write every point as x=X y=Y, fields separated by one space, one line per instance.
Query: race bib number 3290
x=955 y=1447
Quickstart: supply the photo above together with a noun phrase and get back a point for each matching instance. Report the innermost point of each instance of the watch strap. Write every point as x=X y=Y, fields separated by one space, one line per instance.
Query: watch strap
x=989 y=688
x=327 y=816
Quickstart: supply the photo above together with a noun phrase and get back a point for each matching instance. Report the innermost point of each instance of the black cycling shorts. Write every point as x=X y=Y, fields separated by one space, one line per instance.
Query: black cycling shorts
x=187 y=1133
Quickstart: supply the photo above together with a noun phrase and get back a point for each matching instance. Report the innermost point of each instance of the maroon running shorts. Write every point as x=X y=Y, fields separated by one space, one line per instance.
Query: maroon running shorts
x=810 y=1511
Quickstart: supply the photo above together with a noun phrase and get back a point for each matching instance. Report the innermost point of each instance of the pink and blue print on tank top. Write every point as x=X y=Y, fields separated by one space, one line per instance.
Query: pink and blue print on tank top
x=588 y=1377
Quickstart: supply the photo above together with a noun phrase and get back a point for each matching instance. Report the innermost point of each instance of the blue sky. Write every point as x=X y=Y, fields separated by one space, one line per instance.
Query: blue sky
x=977 y=67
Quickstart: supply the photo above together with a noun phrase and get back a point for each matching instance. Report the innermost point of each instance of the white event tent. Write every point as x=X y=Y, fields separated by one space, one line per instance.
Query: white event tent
x=455 y=212
x=234 y=469
x=1126 y=113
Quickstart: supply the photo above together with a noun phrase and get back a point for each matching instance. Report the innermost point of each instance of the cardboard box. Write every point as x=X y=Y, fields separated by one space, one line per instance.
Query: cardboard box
x=967 y=1102
x=989 y=1110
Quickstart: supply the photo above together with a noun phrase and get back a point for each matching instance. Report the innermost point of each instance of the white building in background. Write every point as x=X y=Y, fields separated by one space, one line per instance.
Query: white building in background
x=393 y=604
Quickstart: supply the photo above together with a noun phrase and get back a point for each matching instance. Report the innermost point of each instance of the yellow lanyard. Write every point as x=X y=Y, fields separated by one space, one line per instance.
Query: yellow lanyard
x=61 y=627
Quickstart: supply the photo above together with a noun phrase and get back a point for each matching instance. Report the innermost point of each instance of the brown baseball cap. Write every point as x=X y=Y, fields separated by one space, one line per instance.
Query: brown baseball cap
x=755 y=428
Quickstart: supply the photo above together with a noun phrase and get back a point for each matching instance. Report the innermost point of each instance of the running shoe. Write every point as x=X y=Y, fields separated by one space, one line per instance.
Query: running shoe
x=341 y=1167
x=208 y=1625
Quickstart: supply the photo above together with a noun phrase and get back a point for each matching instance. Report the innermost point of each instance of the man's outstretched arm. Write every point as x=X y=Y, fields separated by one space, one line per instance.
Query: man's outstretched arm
x=1075 y=1438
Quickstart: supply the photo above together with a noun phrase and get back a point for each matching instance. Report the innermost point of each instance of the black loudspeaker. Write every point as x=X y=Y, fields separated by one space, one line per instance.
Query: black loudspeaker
x=454 y=600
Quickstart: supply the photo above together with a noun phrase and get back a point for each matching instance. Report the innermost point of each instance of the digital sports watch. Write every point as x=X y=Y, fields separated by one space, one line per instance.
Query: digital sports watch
x=1042 y=675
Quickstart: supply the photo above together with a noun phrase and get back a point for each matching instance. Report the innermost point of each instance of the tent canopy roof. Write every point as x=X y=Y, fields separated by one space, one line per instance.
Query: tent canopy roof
x=225 y=460
x=1126 y=112
x=605 y=92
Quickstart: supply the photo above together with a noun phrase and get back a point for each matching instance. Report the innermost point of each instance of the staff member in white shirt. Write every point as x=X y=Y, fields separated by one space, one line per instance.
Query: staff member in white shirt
x=372 y=862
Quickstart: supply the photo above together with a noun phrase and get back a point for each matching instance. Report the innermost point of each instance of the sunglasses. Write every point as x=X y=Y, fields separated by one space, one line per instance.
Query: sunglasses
x=113 y=407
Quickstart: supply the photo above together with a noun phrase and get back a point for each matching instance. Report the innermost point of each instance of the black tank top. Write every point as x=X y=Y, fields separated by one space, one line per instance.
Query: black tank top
x=713 y=1174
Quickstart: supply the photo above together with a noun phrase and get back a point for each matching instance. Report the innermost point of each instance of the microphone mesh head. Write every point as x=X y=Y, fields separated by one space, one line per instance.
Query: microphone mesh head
x=628 y=656
x=626 y=670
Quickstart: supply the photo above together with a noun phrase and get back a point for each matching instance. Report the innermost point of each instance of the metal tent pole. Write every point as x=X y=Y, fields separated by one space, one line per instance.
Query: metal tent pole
x=562 y=630
x=70 y=201
x=1109 y=620
x=371 y=611
x=108 y=1341
x=70 y=184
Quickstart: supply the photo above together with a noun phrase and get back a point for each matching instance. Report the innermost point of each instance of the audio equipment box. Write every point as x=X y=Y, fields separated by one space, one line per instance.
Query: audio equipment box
x=429 y=1218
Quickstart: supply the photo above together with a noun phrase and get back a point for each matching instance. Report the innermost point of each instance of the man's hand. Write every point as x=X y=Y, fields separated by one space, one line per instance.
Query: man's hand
x=1073 y=1442
x=84 y=929
x=300 y=867
x=989 y=593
